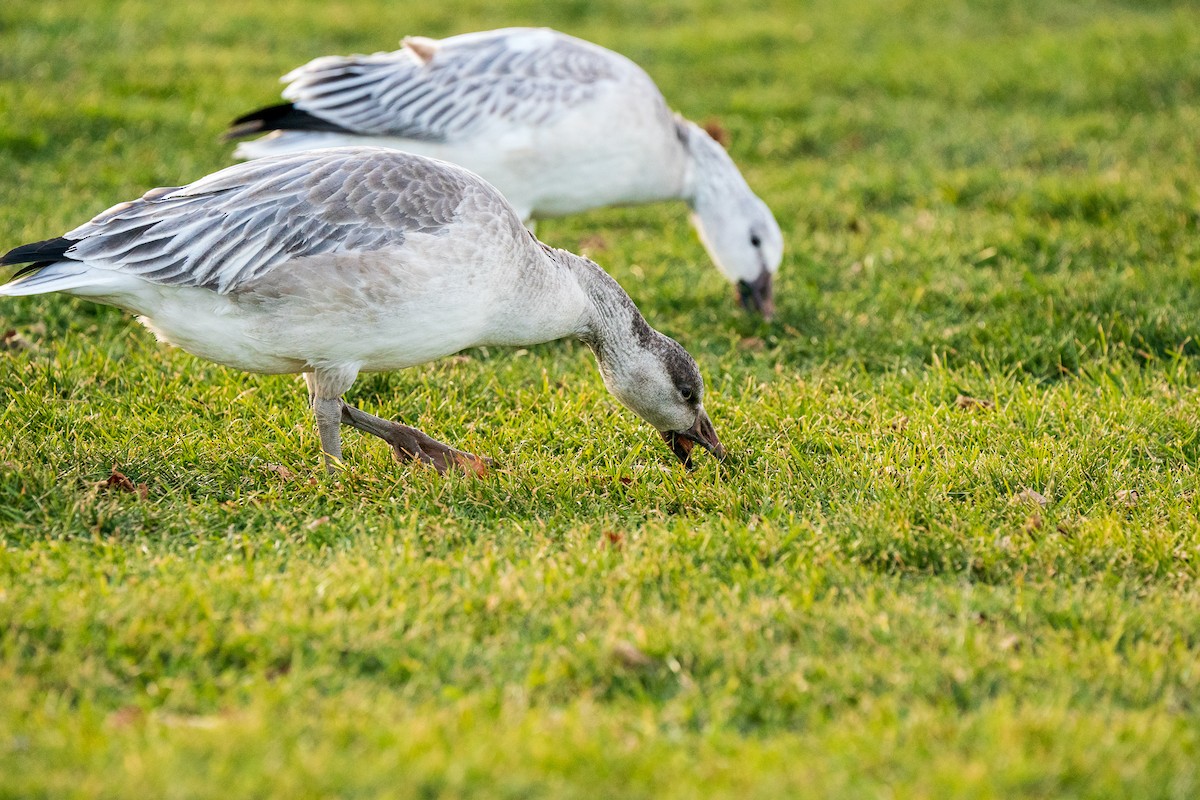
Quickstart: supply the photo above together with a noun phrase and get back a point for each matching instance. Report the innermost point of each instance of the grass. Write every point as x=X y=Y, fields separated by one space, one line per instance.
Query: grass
x=993 y=201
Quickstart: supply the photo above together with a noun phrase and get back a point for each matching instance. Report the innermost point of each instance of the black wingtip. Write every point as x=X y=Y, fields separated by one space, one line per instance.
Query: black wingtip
x=284 y=117
x=38 y=253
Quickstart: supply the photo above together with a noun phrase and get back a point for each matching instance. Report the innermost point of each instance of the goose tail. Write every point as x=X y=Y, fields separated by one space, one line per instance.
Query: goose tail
x=58 y=277
x=44 y=267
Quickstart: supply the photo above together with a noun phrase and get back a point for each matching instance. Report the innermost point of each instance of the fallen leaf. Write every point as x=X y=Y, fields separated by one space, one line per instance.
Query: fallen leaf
x=118 y=482
x=613 y=539
x=1030 y=496
x=752 y=344
x=199 y=721
x=312 y=525
x=278 y=670
x=125 y=716
x=963 y=401
x=476 y=466
x=625 y=480
x=985 y=254
x=13 y=341
x=1033 y=523
x=1128 y=497
x=629 y=656
x=280 y=470
x=1010 y=642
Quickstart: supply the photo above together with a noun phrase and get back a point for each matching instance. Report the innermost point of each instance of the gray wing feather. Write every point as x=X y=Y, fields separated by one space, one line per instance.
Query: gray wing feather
x=519 y=76
x=228 y=229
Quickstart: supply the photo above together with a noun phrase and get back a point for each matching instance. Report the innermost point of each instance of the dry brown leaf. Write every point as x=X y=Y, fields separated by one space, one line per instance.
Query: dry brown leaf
x=280 y=470
x=1030 y=496
x=751 y=344
x=1128 y=497
x=125 y=716
x=473 y=466
x=628 y=655
x=119 y=482
x=198 y=721
x=278 y=670
x=963 y=401
x=13 y=341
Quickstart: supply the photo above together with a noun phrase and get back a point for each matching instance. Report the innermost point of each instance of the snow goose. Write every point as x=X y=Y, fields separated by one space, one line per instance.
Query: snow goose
x=558 y=124
x=346 y=260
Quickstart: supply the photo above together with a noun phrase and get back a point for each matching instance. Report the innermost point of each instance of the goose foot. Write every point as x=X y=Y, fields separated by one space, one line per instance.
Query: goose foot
x=410 y=444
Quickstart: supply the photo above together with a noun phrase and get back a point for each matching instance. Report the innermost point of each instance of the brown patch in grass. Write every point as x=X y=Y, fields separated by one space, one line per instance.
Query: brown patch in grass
x=118 y=482
x=964 y=401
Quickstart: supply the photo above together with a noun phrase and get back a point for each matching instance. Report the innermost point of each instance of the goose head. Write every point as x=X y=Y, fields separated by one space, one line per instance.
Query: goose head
x=735 y=225
x=660 y=382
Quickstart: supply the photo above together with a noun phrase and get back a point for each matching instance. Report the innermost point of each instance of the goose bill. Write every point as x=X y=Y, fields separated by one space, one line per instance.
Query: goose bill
x=701 y=433
x=758 y=295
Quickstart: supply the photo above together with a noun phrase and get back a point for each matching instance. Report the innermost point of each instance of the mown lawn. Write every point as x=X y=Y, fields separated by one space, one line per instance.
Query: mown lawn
x=954 y=553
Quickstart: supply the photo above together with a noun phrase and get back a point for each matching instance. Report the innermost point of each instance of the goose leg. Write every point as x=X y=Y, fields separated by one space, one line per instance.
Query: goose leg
x=409 y=444
x=329 y=428
x=328 y=412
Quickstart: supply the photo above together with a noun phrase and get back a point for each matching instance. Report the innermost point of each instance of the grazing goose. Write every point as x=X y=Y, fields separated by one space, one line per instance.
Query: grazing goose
x=346 y=260
x=558 y=124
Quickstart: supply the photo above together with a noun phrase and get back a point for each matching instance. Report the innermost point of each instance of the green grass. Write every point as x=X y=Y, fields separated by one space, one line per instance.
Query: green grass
x=996 y=200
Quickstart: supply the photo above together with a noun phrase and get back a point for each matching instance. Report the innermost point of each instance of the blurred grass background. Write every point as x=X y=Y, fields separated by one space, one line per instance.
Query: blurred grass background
x=989 y=300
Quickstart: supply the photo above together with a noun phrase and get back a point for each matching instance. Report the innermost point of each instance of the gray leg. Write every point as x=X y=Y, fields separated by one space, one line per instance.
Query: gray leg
x=409 y=444
x=325 y=389
x=329 y=428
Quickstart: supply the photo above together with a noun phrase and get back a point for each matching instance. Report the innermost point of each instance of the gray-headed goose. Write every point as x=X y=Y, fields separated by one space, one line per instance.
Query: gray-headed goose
x=346 y=260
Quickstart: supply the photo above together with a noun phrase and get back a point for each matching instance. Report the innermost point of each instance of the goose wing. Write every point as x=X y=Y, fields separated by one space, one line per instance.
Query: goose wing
x=444 y=90
x=232 y=227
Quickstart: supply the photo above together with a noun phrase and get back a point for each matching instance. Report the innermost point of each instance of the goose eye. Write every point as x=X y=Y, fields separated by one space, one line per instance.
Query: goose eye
x=755 y=241
x=686 y=393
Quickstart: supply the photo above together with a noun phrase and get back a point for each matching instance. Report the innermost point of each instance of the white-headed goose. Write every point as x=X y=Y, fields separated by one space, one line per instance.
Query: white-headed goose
x=558 y=124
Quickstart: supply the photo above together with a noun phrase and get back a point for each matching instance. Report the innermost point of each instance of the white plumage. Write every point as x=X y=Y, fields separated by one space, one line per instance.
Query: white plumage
x=346 y=260
x=558 y=124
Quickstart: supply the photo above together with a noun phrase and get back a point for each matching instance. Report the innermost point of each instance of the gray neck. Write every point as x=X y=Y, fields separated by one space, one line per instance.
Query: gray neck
x=611 y=324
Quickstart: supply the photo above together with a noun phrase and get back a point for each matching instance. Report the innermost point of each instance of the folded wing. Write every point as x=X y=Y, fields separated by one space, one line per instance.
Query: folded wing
x=234 y=226
x=446 y=90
